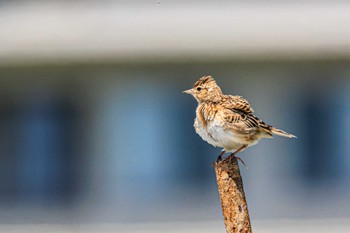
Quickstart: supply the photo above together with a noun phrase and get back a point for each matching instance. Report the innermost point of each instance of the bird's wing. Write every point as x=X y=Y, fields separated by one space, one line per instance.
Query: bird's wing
x=245 y=123
x=236 y=102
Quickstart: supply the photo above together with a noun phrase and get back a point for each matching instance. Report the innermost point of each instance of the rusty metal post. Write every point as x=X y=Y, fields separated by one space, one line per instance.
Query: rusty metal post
x=233 y=201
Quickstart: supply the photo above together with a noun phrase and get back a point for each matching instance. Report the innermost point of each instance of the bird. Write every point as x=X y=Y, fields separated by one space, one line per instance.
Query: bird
x=227 y=121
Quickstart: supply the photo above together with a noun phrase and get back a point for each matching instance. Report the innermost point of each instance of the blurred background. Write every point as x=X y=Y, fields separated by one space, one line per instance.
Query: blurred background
x=96 y=135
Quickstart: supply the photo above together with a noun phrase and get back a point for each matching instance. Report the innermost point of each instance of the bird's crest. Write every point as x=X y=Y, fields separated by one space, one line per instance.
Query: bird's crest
x=205 y=80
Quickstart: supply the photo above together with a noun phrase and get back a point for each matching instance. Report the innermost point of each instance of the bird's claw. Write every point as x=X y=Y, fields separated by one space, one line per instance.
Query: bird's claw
x=241 y=160
x=219 y=159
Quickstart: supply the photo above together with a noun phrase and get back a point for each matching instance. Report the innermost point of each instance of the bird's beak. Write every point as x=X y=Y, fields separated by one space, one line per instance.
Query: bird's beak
x=189 y=91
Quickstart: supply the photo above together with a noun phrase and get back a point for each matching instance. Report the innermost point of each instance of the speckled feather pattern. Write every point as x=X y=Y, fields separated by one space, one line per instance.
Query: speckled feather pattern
x=227 y=121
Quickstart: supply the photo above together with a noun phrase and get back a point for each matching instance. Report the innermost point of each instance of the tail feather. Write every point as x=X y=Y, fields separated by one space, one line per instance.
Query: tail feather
x=280 y=132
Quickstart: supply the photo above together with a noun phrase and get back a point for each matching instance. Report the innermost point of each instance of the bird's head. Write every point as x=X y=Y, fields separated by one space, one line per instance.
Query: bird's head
x=205 y=89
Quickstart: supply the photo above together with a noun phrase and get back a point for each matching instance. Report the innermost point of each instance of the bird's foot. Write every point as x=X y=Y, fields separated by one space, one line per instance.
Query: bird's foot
x=219 y=159
x=240 y=160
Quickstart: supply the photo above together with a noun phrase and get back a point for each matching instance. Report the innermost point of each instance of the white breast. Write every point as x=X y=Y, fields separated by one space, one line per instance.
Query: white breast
x=217 y=136
x=205 y=135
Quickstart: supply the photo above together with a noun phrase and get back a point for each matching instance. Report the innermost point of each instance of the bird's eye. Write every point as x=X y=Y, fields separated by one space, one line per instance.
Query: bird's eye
x=199 y=88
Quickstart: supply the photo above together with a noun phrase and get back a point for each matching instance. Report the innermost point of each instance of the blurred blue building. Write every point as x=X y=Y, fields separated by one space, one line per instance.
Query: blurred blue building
x=94 y=126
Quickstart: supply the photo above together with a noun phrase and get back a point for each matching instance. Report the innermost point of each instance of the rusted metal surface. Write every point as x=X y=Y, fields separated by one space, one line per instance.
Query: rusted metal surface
x=233 y=201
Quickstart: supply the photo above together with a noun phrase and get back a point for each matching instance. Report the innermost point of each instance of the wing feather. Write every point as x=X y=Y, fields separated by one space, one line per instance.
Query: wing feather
x=238 y=103
x=245 y=123
x=238 y=115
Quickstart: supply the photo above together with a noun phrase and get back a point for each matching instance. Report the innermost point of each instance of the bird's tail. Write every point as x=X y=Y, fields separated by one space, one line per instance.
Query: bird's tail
x=281 y=133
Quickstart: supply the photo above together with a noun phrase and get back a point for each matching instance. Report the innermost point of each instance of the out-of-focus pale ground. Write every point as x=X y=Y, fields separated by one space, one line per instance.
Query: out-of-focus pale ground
x=96 y=135
x=286 y=226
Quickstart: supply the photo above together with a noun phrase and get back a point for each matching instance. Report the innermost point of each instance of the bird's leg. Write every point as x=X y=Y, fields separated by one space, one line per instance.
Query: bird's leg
x=220 y=156
x=234 y=154
x=240 y=149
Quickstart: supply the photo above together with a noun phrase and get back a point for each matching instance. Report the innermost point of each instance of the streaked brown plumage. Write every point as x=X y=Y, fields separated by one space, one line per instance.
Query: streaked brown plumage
x=227 y=121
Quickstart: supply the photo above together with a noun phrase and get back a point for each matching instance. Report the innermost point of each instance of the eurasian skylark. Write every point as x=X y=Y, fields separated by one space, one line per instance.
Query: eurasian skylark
x=227 y=121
